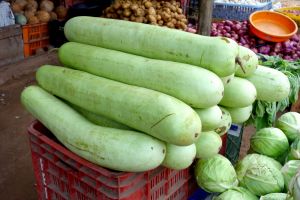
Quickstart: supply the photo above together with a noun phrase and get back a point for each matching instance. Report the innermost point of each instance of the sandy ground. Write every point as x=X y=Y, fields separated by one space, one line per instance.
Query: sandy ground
x=16 y=174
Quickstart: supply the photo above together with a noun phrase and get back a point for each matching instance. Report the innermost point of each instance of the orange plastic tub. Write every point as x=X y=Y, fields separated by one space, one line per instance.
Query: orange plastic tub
x=272 y=26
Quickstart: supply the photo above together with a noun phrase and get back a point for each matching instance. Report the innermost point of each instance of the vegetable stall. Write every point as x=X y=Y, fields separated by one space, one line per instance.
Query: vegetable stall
x=151 y=98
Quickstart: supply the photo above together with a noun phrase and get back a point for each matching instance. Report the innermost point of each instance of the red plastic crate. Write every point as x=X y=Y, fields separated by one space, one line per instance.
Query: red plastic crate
x=31 y=47
x=61 y=174
x=33 y=32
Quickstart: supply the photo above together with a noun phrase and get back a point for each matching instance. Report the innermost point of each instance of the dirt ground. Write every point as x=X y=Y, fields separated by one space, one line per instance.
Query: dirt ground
x=16 y=173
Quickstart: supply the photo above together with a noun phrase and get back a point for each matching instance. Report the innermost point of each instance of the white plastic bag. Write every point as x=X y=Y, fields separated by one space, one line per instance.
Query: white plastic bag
x=6 y=15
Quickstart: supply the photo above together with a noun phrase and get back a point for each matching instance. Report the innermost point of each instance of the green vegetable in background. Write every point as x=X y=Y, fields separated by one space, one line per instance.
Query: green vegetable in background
x=215 y=174
x=289 y=123
x=275 y=196
x=260 y=174
x=294 y=186
x=294 y=153
x=264 y=113
x=289 y=170
x=237 y=193
x=270 y=142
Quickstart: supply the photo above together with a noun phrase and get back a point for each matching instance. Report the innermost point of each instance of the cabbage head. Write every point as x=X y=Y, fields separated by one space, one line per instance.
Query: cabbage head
x=294 y=153
x=294 y=186
x=237 y=193
x=276 y=196
x=215 y=174
x=270 y=142
x=260 y=174
x=289 y=123
x=289 y=170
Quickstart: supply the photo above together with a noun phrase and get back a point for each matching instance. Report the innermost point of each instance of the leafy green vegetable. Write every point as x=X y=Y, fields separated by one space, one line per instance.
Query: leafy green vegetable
x=264 y=113
x=237 y=193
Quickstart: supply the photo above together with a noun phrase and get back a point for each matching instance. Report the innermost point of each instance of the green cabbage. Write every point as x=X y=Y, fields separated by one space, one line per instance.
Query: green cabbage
x=237 y=193
x=289 y=170
x=208 y=144
x=275 y=196
x=270 y=142
x=294 y=186
x=294 y=153
x=215 y=174
x=260 y=174
x=289 y=123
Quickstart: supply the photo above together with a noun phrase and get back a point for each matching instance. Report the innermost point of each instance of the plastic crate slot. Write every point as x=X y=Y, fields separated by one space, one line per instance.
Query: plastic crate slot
x=53 y=195
x=47 y=147
x=80 y=196
x=84 y=189
x=72 y=164
x=117 y=182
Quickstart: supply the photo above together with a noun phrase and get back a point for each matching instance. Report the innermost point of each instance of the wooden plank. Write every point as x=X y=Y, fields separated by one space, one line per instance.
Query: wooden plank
x=205 y=16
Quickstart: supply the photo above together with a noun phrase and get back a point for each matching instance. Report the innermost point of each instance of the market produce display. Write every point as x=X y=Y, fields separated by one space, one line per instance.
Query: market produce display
x=240 y=32
x=162 y=13
x=193 y=85
x=113 y=148
x=152 y=112
x=218 y=55
x=33 y=12
x=136 y=103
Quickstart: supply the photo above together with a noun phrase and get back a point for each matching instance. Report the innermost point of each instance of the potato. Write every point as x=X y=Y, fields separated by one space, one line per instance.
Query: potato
x=134 y=7
x=185 y=21
x=139 y=19
x=117 y=5
x=119 y=12
x=139 y=12
x=160 y=22
x=174 y=21
x=125 y=5
x=127 y=12
x=170 y=25
x=152 y=19
x=151 y=11
x=132 y=18
x=158 y=17
x=172 y=8
x=148 y=4
x=114 y=15
x=179 y=10
x=125 y=18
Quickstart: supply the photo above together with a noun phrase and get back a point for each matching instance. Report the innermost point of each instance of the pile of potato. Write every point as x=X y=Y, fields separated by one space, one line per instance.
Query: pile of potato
x=37 y=11
x=162 y=13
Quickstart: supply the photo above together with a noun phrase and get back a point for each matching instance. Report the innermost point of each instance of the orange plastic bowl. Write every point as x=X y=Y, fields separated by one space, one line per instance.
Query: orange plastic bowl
x=272 y=26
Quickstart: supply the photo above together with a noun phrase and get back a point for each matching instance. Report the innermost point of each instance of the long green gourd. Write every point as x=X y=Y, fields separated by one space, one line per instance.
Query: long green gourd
x=249 y=61
x=99 y=119
x=193 y=85
x=240 y=115
x=177 y=157
x=238 y=93
x=217 y=54
x=155 y=113
x=108 y=147
x=210 y=117
x=271 y=84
